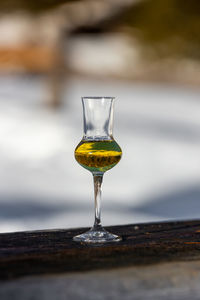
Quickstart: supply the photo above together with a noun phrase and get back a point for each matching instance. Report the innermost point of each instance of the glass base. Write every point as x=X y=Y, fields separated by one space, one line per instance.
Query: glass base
x=97 y=236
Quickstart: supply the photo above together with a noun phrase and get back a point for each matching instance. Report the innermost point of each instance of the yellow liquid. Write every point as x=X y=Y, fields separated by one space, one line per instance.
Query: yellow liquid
x=98 y=156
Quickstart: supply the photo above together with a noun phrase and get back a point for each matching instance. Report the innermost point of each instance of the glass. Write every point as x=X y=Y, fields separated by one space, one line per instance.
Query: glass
x=97 y=152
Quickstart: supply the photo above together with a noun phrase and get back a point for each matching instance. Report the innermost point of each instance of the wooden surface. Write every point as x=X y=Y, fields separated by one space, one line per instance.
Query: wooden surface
x=53 y=251
x=163 y=281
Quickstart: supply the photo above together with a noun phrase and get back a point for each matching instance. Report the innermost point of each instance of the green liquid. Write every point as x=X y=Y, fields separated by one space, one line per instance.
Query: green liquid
x=98 y=156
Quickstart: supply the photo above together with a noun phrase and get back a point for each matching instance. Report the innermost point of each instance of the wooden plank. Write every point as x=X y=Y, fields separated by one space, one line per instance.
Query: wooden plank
x=53 y=251
x=164 y=281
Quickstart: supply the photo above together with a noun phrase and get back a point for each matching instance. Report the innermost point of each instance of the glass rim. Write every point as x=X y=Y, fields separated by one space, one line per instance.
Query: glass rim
x=96 y=98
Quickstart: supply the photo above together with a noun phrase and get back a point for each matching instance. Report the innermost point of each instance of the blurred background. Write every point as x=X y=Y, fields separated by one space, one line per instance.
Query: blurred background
x=146 y=54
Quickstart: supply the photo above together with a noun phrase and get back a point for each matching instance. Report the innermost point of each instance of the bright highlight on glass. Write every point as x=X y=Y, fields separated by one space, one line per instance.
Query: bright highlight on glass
x=97 y=152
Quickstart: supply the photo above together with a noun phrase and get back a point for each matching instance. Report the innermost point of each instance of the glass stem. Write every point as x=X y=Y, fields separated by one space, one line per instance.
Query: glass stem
x=98 y=178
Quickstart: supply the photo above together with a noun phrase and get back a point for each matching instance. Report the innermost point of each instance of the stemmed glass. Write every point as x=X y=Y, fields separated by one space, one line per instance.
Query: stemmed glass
x=97 y=152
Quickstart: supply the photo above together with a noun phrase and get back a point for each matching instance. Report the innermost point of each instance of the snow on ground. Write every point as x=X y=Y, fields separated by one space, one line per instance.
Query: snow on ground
x=42 y=186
